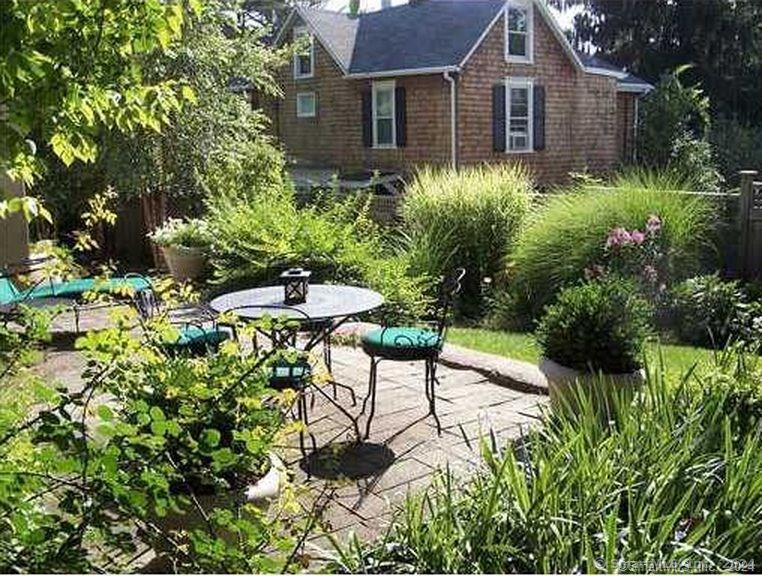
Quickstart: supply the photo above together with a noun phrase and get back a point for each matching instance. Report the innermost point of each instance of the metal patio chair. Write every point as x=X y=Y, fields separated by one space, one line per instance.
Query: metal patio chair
x=404 y=344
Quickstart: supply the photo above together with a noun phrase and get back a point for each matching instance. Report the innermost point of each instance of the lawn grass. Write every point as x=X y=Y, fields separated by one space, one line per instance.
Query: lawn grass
x=524 y=347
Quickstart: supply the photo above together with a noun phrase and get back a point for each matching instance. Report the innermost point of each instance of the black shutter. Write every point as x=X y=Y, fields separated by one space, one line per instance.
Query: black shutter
x=367 y=118
x=400 y=113
x=498 y=117
x=538 y=117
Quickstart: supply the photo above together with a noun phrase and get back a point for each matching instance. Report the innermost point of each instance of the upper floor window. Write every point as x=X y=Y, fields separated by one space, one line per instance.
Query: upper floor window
x=384 y=114
x=519 y=31
x=304 y=58
x=519 y=114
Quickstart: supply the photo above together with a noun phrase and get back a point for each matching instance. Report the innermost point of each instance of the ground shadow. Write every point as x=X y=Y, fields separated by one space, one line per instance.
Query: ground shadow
x=348 y=461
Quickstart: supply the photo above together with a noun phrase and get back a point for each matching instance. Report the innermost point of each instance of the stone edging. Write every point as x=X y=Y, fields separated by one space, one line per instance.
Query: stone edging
x=521 y=376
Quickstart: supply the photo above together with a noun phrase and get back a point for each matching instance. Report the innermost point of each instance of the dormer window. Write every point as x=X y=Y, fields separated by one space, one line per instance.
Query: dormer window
x=304 y=57
x=519 y=31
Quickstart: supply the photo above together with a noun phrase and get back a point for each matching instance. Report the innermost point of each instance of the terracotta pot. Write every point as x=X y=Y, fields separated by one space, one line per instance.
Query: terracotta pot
x=564 y=385
x=185 y=263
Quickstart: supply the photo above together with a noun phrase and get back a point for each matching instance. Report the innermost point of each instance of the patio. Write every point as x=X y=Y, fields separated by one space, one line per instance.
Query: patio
x=403 y=451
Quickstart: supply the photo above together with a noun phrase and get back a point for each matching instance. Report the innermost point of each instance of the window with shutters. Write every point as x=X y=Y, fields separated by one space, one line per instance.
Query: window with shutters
x=519 y=114
x=519 y=31
x=384 y=114
x=304 y=58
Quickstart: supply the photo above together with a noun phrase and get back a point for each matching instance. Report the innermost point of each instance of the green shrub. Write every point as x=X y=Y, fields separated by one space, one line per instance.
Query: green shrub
x=257 y=237
x=468 y=218
x=709 y=311
x=674 y=484
x=673 y=129
x=597 y=326
x=568 y=235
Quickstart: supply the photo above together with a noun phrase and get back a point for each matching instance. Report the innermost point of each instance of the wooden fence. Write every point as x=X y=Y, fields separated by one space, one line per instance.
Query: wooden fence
x=750 y=218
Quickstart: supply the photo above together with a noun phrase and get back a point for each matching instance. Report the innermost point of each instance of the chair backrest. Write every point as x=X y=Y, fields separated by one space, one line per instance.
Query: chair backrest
x=8 y=290
x=147 y=303
x=448 y=291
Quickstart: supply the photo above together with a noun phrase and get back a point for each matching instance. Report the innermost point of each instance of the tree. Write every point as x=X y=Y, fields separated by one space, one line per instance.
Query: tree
x=673 y=130
x=270 y=13
x=722 y=39
x=72 y=68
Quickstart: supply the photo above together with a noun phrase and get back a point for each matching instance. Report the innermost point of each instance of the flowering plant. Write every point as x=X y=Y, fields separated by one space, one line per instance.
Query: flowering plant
x=193 y=233
x=635 y=254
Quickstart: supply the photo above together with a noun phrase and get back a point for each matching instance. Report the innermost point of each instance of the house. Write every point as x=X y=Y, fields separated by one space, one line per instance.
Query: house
x=450 y=82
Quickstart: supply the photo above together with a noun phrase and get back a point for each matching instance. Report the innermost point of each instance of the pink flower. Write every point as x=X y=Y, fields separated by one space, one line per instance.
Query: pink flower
x=618 y=237
x=653 y=226
x=638 y=237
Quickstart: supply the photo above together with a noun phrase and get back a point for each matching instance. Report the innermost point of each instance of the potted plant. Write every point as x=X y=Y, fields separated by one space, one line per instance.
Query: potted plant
x=592 y=341
x=185 y=245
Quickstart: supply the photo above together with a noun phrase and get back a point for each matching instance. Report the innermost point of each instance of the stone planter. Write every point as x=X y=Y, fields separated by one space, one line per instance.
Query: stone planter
x=185 y=263
x=564 y=385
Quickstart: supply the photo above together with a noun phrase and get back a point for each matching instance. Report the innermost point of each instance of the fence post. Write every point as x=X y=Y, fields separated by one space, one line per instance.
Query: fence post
x=747 y=190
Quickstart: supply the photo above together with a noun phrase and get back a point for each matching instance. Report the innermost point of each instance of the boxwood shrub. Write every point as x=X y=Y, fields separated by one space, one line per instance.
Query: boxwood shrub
x=596 y=326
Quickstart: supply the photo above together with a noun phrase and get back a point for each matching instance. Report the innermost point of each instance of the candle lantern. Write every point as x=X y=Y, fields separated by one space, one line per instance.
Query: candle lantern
x=296 y=285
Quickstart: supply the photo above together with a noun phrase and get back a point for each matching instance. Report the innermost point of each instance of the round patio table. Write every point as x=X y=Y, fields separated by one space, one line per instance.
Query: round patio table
x=327 y=307
x=324 y=302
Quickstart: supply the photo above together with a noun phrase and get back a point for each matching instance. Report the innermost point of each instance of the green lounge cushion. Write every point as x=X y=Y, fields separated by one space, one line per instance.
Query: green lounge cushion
x=401 y=342
x=76 y=288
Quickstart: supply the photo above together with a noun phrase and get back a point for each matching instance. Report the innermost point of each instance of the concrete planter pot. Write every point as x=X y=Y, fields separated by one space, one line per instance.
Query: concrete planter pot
x=261 y=494
x=564 y=385
x=185 y=263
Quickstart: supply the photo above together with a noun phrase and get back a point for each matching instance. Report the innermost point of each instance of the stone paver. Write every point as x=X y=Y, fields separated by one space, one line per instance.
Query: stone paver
x=469 y=405
x=404 y=450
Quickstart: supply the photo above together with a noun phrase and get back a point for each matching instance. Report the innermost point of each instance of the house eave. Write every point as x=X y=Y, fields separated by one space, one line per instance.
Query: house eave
x=402 y=72
x=634 y=88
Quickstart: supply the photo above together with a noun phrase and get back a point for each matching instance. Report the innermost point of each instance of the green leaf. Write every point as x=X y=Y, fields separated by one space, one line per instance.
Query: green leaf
x=105 y=413
x=210 y=438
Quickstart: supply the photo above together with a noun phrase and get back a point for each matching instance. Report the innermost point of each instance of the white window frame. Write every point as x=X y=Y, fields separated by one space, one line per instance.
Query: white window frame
x=528 y=6
x=386 y=85
x=298 y=33
x=300 y=112
x=517 y=82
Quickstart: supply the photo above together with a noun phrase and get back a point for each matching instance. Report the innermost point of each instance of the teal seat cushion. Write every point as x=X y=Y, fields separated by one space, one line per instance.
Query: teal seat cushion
x=197 y=341
x=8 y=292
x=195 y=335
x=76 y=288
x=294 y=375
x=401 y=342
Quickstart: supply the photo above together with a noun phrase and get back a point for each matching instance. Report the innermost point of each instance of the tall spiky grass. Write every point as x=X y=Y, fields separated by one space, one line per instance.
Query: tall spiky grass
x=466 y=218
x=672 y=483
x=567 y=233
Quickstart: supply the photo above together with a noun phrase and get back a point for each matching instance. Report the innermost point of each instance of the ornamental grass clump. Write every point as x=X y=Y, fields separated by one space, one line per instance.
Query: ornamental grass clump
x=568 y=235
x=673 y=483
x=469 y=218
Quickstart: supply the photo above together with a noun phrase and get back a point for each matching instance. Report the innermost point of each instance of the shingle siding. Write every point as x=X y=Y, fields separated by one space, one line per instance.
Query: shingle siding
x=582 y=121
x=579 y=108
x=334 y=137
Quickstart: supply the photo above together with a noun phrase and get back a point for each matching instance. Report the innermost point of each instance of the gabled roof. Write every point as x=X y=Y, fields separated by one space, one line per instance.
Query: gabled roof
x=425 y=36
